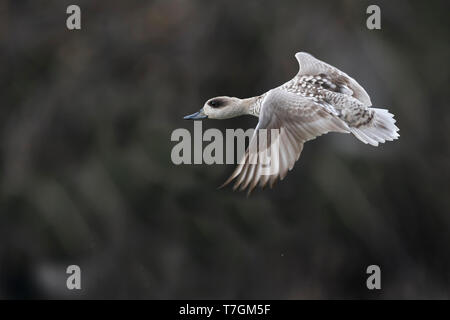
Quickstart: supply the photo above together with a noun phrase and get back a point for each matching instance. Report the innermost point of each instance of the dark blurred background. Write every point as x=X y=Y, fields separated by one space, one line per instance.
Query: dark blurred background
x=86 y=176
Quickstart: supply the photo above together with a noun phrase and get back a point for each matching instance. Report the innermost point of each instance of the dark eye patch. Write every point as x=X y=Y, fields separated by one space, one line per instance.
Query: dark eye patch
x=216 y=103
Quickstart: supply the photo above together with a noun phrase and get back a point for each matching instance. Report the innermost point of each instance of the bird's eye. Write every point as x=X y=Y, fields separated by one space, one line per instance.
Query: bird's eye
x=215 y=103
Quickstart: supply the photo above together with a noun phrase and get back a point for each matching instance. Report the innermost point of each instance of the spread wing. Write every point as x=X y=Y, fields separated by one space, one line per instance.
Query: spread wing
x=286 y=122
x=310 y=66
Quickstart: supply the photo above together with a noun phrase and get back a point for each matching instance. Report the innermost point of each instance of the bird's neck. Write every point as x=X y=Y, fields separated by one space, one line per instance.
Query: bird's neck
x=251 y=106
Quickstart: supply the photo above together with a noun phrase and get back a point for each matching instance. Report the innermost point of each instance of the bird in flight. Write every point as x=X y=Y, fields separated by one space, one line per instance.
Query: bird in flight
x=318 y=100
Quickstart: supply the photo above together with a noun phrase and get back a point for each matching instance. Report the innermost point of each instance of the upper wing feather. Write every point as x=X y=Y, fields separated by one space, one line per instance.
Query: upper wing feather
x=310 y=66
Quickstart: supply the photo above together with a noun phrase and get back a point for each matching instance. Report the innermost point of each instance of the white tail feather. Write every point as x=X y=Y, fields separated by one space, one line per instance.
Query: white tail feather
x=382 y=128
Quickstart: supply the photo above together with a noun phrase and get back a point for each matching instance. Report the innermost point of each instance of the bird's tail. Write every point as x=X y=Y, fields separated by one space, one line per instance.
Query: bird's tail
x=380 y=129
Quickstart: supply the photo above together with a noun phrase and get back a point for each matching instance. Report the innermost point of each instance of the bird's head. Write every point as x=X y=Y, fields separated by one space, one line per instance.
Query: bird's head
x=219 y=108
